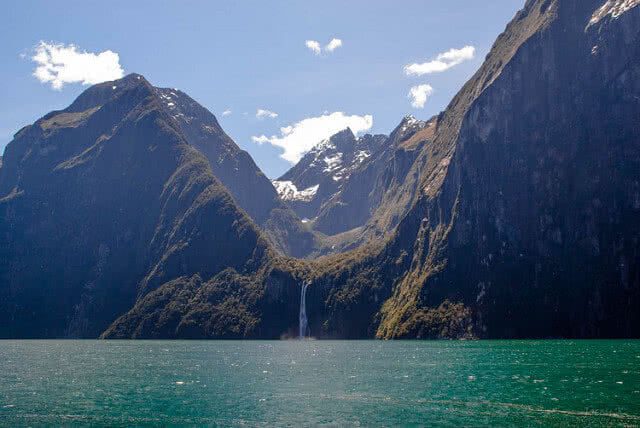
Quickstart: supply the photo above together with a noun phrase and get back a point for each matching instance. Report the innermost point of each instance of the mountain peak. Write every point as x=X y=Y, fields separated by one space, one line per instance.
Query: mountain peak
x=101 y=93
x=132 y=76
x=345 y=133
x=408 y=125
x=322 y=171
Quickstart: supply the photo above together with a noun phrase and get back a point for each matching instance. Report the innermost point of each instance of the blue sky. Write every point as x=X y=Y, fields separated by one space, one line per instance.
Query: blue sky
x=243 y=56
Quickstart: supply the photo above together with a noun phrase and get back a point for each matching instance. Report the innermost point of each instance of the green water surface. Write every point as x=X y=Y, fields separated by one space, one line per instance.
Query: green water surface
x=309 y=383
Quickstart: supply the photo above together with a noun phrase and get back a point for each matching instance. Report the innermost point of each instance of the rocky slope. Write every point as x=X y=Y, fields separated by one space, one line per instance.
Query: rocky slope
x=324 y=169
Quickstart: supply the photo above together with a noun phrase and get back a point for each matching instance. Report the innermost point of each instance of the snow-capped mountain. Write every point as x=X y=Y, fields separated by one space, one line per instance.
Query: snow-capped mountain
x=370 y=196
x=324 y=169
x=343 y=180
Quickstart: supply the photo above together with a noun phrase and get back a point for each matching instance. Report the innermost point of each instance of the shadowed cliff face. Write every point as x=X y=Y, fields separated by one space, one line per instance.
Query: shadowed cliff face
x=529 y=213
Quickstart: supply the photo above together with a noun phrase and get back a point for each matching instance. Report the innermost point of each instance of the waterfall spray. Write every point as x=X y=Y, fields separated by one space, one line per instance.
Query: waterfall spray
x=303 y=310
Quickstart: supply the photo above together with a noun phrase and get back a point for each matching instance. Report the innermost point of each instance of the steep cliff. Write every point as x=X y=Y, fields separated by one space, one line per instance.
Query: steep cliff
x=528 y=211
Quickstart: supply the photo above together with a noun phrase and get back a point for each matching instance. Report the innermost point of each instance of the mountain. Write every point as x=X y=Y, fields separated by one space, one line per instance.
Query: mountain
x=322 y=171
x=104 y=202
x=349 y=186
x=367 y=197
x=519 y=216
x=238 y=172
x=525 y=216
x=514 y=213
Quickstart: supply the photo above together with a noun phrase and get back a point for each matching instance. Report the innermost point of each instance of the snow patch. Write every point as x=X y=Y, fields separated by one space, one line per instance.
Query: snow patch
x=361 y=155
x=410 y=122
x=289 y=192
x=323 y=145
x=333 y=162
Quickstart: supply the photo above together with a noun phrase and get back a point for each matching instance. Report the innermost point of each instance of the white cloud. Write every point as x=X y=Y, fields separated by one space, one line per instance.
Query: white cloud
x=443 y=62
x=262 y=113
x=333 y=45
x=300 y=137
x=227 y=112
x=313 y=46
x=419 y=94
x=59 y=64
x=261 y=139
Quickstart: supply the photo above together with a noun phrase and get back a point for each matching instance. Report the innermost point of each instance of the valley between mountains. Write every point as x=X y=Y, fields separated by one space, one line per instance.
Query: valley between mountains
x=514 y=213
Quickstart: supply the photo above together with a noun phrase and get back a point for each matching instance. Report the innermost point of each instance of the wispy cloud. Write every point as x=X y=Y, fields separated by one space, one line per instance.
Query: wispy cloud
x=262 y=113
x=300 y=137
x=442 y=62
x=261 y=139
x=227 y=112
x=314 y=46
x=333 y=45
x=419 y=94
x=59 y=64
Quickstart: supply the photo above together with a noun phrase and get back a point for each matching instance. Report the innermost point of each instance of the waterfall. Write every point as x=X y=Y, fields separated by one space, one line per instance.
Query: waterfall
x=303 y=310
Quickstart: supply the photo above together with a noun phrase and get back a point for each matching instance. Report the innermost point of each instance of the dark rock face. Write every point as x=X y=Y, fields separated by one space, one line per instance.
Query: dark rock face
x=105 y=201
x=528 y=212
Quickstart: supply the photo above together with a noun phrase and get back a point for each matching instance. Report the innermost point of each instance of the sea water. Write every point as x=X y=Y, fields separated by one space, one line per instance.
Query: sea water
x=310 y=383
